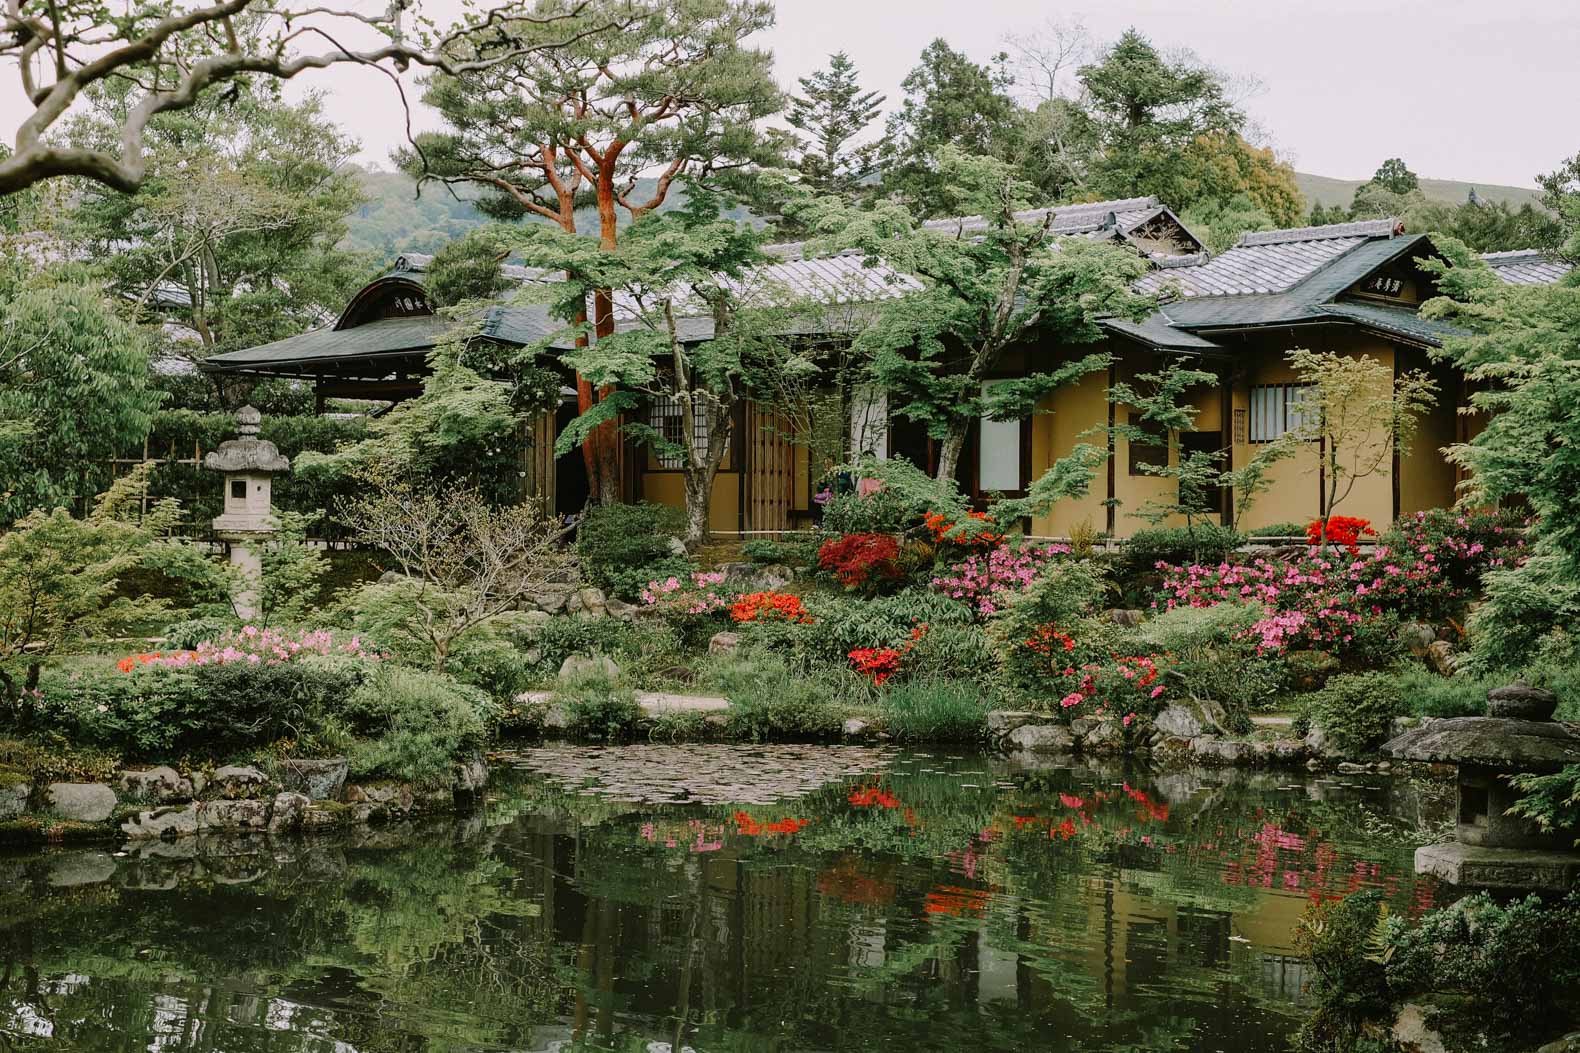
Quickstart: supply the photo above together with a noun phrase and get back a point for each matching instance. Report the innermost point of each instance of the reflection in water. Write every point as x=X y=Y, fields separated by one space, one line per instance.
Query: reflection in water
x=930 y=902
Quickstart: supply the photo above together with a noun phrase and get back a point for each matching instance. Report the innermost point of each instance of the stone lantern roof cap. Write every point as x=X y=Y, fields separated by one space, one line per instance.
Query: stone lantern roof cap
x=1500 y=743
x=247 y=453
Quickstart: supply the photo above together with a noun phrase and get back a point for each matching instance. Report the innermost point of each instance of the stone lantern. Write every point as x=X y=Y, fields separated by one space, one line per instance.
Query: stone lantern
x=1493 y=849
x=248 y=464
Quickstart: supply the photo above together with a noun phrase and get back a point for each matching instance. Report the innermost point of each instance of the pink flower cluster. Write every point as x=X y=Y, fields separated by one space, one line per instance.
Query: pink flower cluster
x=986 y=580
x=257 y=646
x=700 y=594
x=1126 y=681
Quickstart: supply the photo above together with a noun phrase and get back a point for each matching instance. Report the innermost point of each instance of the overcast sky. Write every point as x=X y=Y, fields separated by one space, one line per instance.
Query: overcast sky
x=1480 y=90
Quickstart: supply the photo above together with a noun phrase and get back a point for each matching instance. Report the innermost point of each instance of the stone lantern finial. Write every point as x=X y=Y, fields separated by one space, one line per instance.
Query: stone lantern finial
x=247 y=420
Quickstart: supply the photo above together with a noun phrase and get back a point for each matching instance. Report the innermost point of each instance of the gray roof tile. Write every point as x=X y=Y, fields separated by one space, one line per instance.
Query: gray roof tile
x=1527 y=266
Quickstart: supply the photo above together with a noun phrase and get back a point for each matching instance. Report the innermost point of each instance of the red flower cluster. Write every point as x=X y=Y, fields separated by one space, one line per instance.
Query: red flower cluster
x=1342 y=530
x=856 y=559
x=745 y=824
x=132 y=661
x=1048 y=641
x=940 y=527
x=880 y=663
x=769 y=607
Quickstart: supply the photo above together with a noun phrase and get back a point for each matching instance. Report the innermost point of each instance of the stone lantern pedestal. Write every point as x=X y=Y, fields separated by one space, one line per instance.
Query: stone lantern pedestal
x=1492 y=849
x=248 y=465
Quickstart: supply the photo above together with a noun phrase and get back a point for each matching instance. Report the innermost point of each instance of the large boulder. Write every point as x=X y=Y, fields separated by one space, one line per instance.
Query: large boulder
x=1042 y=738
x=163 y=823
x=13 y=797
x=287 y=812
x=1212 y=750
x=587 y=602
x=238 y=780
x=1417 y=637
x=1521 y=701
x=1003 y=721
x=84 y=802
x=1180 y=721
x=1442 y=657
x=320 y=780
x=160 y=785
x=471 y=775
x=233 y=815
x=588 y=666
x=1125 y=619
x=724 y=642
x=1104 y=736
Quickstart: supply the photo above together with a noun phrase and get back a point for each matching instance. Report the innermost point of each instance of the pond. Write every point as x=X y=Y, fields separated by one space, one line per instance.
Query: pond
x=711 y=898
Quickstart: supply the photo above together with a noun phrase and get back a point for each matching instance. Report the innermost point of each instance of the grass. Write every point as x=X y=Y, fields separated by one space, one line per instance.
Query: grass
x=936 y=711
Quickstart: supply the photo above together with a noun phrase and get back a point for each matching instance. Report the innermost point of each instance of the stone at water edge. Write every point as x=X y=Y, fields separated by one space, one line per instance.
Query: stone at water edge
x=1105 y=736
x=1317 y=743
x=577 y=666
x=1570 y=1043
x=237 y=780
x=1043 y=738
x=1223 y=751
x=156 y=785
x=13 y=799
x=724 y=642
x=178 y=821
x=288 y=811
x=1004 y=721
x=84 y=802
x=1179 y=721
x=321 y=780
x=855 y=728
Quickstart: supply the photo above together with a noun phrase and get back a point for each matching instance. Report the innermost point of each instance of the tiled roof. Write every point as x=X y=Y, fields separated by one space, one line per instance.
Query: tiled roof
x=1527 y=266
x=1267 y=261
x=1068 y=219
x=1400 y=321
x=838 y=279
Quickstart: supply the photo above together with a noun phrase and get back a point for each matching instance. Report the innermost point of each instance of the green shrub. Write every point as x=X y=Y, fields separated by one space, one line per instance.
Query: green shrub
x=883 y=511
x=185 y=636
x=789 y=552
x=1514 y=968
x=841 y=624
x=599 y=709
x=935 y=711
x=952 y=649
x=1135 y=568
x=640 y=648
x=1278 y=530
x=1349 y=987
x=1063 y=598
x=623 y=547
x=1529 y=610
x=413 y=725
x=1356 y=710
x=1429 y=694
x=1214 y=657
x=161 y=711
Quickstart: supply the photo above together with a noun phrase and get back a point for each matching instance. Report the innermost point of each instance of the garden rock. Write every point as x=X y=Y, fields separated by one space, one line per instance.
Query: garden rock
x=1285 y=751
x=1211 y=749
x=620 y=609
x=1105 y=736
x=84 y=802
x=321 y=780
x=178 y=821
x=1179 y=721
x=677 y=547
x=1042 y=738
x=585 y=666
x=235 y=780
x=773 y=577
x=13 y=799
x=1570 y=1043
x=160 y=785
x=1521 y=701
x=1412 y=1032
x=724 y=642
x=288 y=811
x=1417 y=637
x=1400 y=725
x=856 y=728
x=471 y=775
x=1440 y=655
x=233 y=815
x=1127 y=619
x=588 y=602
x=1318 y=745
x=1003 y=721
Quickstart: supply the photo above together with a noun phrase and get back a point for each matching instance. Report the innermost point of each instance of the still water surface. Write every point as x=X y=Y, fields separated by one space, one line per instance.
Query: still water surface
x=860 y=900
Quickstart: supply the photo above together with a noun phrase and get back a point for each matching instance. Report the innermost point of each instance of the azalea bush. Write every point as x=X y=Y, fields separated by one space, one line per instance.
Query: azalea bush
x=256 y=646
x=768 y=607
x=985 y=581
x=973 y=531
x=1339 y=530
x=862 y=562
x=1124 y=684
x=693 y=605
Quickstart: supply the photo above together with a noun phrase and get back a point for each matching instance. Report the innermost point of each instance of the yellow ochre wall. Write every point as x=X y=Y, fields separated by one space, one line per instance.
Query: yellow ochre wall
x=669 y=488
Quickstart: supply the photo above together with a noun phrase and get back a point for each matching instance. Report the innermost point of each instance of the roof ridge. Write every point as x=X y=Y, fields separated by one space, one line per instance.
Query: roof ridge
x=1510 y=254
x=1367 y=228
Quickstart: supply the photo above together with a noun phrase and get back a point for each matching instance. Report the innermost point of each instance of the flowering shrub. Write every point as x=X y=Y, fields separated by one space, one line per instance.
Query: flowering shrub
x=1129 y=683
x=860 y=560
x=880 y=663
x=1341 y=530
x=254 y=646
x=769 y=607
x=1465 y=545
x=701 y=594
x=970 y=535
x=983 y=581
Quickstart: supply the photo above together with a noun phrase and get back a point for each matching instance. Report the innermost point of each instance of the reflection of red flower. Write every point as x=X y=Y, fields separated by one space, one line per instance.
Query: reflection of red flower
x=749 y=826
x=956 y=902
x=873 y=795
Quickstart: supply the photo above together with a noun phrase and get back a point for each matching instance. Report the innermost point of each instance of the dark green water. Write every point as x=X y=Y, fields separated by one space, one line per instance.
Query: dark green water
x=944 y=903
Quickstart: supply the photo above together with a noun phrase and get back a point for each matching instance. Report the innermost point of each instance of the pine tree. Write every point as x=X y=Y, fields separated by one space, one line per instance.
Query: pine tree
x=832 y=110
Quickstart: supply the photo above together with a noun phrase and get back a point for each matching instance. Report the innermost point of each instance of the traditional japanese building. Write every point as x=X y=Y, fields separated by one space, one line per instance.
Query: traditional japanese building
x=1354 y=288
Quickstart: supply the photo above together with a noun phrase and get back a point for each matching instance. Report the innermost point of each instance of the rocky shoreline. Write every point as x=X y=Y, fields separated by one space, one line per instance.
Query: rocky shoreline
x=162 y=804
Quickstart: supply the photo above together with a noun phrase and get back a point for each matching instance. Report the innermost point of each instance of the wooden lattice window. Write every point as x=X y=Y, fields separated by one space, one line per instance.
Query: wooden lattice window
x=666 y=415
x=1276 y=409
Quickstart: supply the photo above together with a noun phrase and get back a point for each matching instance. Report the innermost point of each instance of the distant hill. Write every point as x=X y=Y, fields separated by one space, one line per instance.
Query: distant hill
x=1325 y=190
